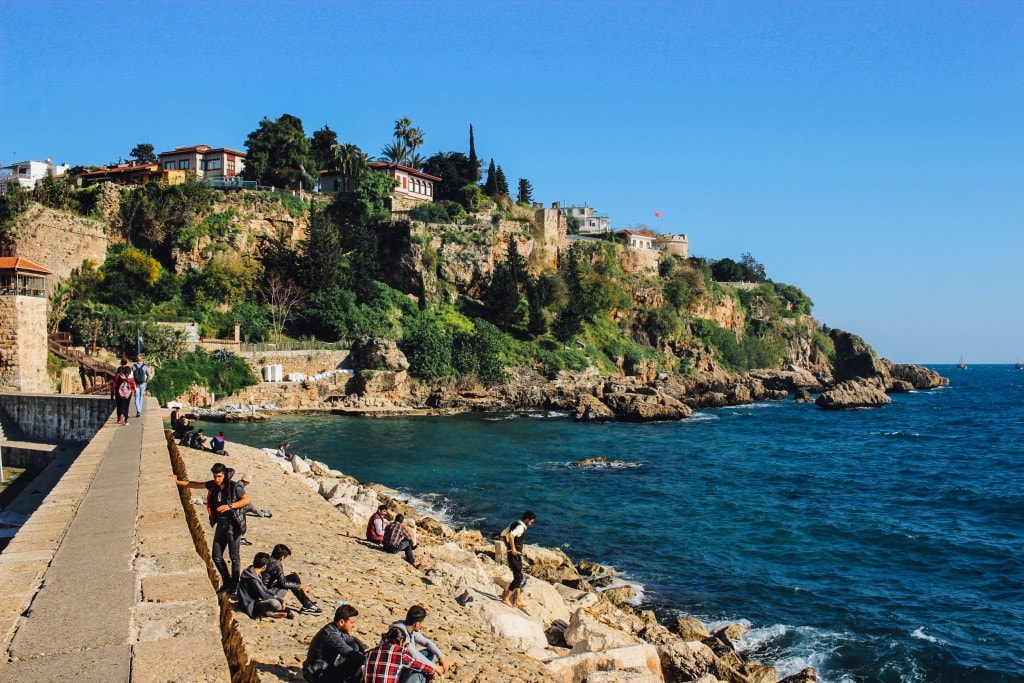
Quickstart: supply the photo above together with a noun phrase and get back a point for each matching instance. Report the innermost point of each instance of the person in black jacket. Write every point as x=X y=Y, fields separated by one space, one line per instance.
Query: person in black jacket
x=277 y=583
x=225 y=501
x=335 y=654
x=253 y=596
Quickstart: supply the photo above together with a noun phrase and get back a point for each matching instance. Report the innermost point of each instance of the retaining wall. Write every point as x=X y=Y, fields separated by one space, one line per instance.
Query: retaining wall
x=49 y=418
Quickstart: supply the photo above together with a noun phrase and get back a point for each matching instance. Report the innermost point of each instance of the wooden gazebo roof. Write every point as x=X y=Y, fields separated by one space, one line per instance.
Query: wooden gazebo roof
x=18 y=264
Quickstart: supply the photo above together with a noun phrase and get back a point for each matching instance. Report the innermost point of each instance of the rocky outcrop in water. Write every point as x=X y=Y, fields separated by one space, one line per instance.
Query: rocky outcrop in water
x=855 y=393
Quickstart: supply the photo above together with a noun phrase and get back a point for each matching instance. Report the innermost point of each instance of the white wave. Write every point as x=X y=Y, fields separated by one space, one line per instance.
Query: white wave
x=502 y=418
x=807 y=647
x=547 y=415
x=701 y=416
x=921 y=635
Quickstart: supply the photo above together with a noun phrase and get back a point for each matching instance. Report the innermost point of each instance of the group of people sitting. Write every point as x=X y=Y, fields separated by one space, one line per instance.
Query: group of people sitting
x=403 y=655
x=263 y=587
x=394 y=536
x=190 y=437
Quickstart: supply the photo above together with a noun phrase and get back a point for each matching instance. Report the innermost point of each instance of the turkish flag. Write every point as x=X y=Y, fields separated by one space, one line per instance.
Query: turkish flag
x=657 y=214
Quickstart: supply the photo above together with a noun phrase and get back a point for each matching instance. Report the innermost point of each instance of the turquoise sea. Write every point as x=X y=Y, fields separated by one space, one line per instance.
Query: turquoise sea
x=873 y=545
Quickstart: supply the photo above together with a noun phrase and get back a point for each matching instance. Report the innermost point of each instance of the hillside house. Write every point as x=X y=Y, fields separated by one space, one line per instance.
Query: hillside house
x=27 y=174
x=589 y=222
x=132 y=173
x=414 y=187
x=643 y=252
x=636 y=240
x=203 y=161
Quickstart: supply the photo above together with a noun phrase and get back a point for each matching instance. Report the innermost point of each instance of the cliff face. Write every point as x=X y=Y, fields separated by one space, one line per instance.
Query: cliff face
x=57 y=240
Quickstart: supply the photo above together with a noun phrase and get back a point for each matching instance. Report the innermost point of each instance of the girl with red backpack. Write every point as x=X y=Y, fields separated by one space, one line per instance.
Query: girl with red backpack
x=122 y=388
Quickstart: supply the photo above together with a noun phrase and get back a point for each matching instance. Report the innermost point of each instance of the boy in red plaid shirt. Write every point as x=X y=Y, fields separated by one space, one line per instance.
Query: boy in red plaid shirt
x=385 y=662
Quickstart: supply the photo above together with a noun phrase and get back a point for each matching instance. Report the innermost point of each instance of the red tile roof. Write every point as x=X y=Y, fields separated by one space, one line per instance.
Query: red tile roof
x=201 y=149
x=635 y=234
x=20 y=264
x=410 y=171
x=125 y=168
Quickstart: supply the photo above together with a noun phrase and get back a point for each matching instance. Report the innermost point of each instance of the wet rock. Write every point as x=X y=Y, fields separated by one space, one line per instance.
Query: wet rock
x=919 y=377
x=620 y=595
x=590 y=409
x=854 y=358
x=802 y=395
x=691 y=628
x=808 y=675
x=862 y=393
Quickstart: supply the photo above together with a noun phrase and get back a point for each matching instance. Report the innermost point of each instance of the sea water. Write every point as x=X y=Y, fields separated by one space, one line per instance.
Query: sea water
x=874 y=545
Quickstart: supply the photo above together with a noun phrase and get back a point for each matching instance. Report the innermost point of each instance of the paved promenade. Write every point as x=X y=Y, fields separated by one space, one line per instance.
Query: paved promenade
x=103 y=581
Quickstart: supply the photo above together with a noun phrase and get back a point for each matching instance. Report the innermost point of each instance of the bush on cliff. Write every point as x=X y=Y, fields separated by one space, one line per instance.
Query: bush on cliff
x=222 y=373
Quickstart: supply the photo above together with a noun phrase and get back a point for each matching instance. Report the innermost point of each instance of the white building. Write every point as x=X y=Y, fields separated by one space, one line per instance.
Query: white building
x=590 y=223
x=29 y=173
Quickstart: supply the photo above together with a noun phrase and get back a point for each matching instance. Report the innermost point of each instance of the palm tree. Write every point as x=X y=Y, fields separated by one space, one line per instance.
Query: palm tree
x=397 y=152
x=349 y=159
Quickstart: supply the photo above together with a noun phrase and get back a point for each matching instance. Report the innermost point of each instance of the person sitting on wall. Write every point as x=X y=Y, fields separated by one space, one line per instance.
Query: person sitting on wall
x=183 y=430
x=218 y=443
x=253 y=596
x=397 y=539
x=280 y=583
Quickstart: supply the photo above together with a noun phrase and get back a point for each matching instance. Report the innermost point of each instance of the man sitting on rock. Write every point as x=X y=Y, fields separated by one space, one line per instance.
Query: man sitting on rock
x=335 y=655
x=375 y=527
x=253 y=596
x=422 y=649
x=397 y=539
x=279 y=584
x=218 y=443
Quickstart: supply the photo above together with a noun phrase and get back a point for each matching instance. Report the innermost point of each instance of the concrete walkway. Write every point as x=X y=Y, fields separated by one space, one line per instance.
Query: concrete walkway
x=103 y=581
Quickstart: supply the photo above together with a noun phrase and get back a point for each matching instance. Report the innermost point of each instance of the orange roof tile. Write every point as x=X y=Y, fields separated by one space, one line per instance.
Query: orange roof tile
x=22 y=264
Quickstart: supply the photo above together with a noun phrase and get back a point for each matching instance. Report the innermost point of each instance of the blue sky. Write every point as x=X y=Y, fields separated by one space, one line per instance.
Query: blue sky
x=871 y=153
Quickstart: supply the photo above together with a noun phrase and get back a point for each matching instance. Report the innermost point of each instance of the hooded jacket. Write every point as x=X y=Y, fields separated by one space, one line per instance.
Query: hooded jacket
x=251 y=590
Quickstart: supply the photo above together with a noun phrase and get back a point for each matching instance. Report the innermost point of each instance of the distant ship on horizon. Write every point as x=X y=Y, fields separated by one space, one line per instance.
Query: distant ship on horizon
x=962 y=365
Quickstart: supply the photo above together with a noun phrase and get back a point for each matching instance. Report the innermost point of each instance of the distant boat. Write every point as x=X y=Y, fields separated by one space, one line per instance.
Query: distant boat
x=962 y=365
x=1017 y=365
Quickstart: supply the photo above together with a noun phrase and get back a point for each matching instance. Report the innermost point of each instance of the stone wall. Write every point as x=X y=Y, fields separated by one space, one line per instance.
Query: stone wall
x=56 y=418
x=58 y=241
x=23 y=344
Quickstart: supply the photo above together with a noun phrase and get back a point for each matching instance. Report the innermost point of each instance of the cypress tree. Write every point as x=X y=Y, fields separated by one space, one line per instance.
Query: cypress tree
x=491 y=184
x=474 y=163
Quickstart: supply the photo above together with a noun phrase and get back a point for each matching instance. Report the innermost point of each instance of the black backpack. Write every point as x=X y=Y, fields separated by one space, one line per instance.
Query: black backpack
x=140 y=372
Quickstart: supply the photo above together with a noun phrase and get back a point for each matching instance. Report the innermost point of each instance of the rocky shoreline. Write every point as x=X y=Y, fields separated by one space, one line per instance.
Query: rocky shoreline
x=379 y=386
x=579 y=626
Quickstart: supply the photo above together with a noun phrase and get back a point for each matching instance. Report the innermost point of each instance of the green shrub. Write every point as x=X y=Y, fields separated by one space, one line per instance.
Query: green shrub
x=430 y=213
x=222 y=372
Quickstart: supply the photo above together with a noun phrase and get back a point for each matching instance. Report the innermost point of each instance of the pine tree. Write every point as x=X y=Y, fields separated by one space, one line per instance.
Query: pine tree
x=502 y=298
x=474 y=163
x=501 y=182
x=525 y=191
x=537 y=323
x=491 y=184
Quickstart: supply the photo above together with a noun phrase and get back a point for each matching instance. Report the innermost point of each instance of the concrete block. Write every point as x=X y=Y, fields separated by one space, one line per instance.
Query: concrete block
x=175 y=619
x=109 y=664
x=197 y=658
x=175 y=587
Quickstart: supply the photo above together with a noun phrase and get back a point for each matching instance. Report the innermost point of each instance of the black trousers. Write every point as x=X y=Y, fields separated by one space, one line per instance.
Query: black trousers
x=297 y=592
x=515 y=563
x=226 y=536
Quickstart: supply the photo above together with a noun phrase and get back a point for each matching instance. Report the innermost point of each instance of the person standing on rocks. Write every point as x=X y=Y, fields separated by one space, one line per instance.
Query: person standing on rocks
x=375 y=527
x=335 y=655
x=397 y=539
x=225 y=501
x=141 y=373
x=279 y=583
x=512 y=535
x=422 y=649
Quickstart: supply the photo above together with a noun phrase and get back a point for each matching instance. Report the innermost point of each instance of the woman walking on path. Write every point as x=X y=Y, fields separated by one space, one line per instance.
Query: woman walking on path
x=122 y=389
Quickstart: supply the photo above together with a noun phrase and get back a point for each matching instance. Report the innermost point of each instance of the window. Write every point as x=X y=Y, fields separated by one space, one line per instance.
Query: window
x=231 y=165
x=183 y=164
x=170 y=165
x=212 y=164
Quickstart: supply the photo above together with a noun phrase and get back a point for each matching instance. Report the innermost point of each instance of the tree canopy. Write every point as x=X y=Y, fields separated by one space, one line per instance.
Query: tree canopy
x=278 y=153
x=143 y=153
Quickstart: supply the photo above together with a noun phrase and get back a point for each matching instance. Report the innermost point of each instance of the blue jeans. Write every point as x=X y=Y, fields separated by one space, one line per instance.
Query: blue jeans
x=140 y=393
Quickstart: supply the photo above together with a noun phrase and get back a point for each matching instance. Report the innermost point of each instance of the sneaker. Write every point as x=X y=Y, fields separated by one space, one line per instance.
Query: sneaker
x=244 y=541
x=312 y=609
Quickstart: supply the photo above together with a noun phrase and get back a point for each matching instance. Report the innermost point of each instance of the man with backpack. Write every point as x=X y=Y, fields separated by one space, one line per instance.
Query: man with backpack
x=225 y=503
x=512 y=535
x=141 y=373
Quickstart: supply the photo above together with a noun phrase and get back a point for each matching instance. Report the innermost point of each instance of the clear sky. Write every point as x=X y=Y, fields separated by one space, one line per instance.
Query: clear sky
x=871 y=153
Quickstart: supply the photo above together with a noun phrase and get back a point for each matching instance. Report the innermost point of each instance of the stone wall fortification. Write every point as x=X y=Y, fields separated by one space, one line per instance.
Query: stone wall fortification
x=23 y=344
x=58 y=241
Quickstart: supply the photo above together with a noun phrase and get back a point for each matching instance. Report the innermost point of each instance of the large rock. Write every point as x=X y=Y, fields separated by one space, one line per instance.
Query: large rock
x=587 y=633
x=808 y=675
x=380 y=381
x=623 y=676
x=519 y=629
x=919 y=377
x=578 y=667
x=544 y=603
x=855 y=358
x=300 y=466
x=590 y=409
x=455 y=569
x=641 y=407
x=691 y=628
x=377 y=354
x=860 y=393
x=550 y=564
x=621 y=595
